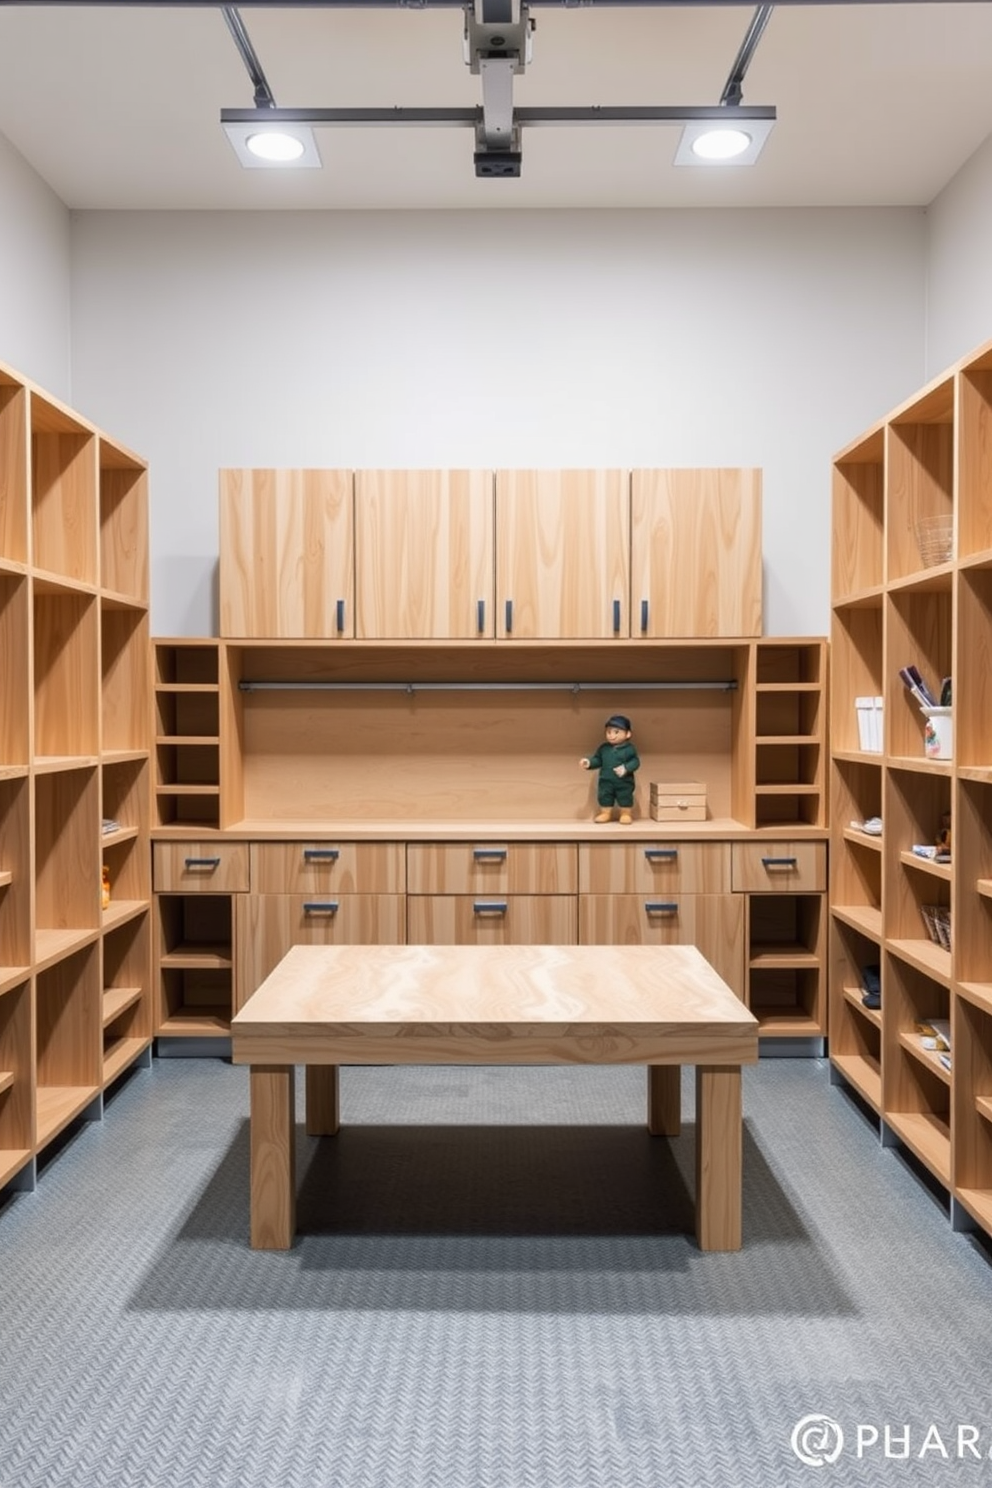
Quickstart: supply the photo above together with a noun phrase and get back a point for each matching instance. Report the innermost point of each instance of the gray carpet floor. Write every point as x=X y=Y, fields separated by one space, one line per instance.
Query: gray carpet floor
x=495 y=1285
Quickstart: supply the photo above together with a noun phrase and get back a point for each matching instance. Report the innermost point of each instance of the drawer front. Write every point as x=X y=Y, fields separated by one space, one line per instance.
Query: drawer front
x=328 y=867
x=200 y=867
x=492 y=867
x=714 y=923
x=779 y=867
x=515 y=919
x=268 y=925
x=654 y=868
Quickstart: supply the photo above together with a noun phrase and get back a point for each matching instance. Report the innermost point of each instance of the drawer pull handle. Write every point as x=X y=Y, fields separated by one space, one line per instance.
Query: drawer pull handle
x=644 y=616
x=779 y=862
x=616 y=617
x=654 y=906
x=667 y=854
x=321 y=854
x=340 y=615
x=484 y=854
x=509 y=617
x=320 y=906
x=489 y=906
x=209 y=863
x=480 y=622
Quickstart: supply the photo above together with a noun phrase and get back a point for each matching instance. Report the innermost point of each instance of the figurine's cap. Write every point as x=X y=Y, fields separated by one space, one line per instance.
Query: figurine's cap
x=617 y=720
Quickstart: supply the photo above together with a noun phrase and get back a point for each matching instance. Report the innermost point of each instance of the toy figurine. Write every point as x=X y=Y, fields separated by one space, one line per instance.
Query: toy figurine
x=616 y=761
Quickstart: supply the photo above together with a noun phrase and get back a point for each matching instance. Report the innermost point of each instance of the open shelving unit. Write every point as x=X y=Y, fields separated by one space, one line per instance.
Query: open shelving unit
x=75 y=979
x=926 y=924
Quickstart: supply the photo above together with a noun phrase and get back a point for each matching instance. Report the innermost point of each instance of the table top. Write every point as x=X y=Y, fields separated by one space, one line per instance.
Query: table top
x=510 y=1001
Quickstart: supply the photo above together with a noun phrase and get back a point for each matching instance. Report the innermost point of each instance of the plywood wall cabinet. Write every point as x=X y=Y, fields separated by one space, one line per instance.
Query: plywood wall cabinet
x=75 y=977
x=898 y=600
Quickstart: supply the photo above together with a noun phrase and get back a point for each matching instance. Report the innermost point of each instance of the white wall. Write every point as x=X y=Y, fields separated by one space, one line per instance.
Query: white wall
x=959 y=279
x=550 y=338
x=34 y=275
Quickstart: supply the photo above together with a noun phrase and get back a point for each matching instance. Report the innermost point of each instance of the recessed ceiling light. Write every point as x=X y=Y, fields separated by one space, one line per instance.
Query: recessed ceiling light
x=722 y=142
x=718 y=144
x=279 y=149
x=266 y=145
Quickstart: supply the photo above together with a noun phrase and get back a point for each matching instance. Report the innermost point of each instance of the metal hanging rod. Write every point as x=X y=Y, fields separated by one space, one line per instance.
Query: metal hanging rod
x=411 y=688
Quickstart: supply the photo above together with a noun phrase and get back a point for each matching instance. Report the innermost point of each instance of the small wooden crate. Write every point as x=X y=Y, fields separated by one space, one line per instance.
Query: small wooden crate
x=678 y=800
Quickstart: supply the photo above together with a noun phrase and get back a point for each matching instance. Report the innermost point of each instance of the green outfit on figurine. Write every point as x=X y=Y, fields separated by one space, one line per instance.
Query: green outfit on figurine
x=616 y=760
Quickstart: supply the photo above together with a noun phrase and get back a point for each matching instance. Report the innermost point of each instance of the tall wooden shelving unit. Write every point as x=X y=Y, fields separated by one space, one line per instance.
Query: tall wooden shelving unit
x=75 y=1001
x=931 y=458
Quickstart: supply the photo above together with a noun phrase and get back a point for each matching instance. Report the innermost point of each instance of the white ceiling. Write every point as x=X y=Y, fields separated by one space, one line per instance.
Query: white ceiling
x=117 y=106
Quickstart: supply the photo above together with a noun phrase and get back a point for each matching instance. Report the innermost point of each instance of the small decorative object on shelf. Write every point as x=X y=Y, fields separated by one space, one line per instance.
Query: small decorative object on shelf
x=935 y=540
x=105 y=888
x=679 y=800
x=616 y=760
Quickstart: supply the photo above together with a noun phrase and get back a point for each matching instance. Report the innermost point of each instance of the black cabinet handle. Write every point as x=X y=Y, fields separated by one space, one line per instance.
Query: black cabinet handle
x=340 y=615
x=616 y=617
x=668 y=854
x=779 y=862
x=321 y=854
x=644 y=616
x=509 y=616
x=210 y=863
x=489 y=906
x=320 y=906
x=497 y=854
x=660 y=906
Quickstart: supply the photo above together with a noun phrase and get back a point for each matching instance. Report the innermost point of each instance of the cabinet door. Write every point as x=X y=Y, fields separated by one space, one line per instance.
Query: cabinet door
x=562 y=554
x=286 y=554
x=713 y=923
x=424 y=554
x=695 y=553
x=268 y=925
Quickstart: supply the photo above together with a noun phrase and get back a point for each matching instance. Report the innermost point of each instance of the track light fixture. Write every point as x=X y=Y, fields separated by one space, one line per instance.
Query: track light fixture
x=498 y=44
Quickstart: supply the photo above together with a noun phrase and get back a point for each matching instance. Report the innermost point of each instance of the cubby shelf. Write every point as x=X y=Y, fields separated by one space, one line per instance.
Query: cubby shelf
x=74 y=747
x=899 y=599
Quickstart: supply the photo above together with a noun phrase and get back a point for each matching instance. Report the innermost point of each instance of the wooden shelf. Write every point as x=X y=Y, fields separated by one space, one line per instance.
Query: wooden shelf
x=852 y=995
x=785 y=1022
x=931 y=959
x=54 y=945
x=120 y=1054
x=122 y=910
x=57 y=1105
x=983 y=1105
x=979 y=994
x=197 y=1022
x=197 y=957
x=926 y=865
x=927 y=1135
x=861 y=917
x=117 y=1000
x=6 y=877
x=864 y=1074
x=6 y=1080
x=929 y=1058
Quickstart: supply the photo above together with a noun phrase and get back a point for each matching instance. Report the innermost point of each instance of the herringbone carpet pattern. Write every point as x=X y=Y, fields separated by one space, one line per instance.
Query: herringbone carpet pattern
x=494 y=1286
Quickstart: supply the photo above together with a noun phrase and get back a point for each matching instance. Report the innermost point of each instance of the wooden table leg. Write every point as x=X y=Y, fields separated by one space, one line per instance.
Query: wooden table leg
x=664 y=1100
x=273 y=1157
x=719 y=1168
x=323 y=1112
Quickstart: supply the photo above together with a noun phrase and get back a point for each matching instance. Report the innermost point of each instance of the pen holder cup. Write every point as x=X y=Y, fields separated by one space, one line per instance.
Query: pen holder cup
x=938 y=736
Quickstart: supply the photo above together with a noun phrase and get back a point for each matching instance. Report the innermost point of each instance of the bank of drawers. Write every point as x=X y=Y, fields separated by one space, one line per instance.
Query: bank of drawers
x=490 y=893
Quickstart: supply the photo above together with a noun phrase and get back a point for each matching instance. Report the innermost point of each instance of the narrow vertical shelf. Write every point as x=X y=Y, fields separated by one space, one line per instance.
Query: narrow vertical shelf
x=858 y=551
x=196 y=965
x=918 y=632
x=126 y=1001
x=973 y=682
x=790 y=734
x=916 y=809
x=67 y=864
x=785 y=963
x=187 y=734
x=975 y=457
x=68 y=1040
x=855 y=1030
x=124 y=655
x=856 y=678
x=971 y=1043
x=63 y=492
x=123 y=523
x=15 y=694
x=919 y=475
x=16 y=1080
x=13 y=470
x=15 y=881
x=916 y=1095
x=66 y=680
